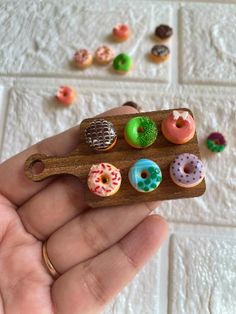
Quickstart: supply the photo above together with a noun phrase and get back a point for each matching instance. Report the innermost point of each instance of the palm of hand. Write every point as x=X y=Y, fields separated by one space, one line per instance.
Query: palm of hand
x=96 y=252
x=24 y=284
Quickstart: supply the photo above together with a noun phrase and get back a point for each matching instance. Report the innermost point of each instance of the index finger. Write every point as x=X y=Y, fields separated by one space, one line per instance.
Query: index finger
x=13 y=182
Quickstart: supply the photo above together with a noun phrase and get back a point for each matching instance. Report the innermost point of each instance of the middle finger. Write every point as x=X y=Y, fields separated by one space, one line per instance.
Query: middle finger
x=92 y=232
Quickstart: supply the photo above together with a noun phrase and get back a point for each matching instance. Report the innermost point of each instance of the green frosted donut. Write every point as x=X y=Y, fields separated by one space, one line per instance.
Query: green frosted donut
x=122 y=63
x=141 y=132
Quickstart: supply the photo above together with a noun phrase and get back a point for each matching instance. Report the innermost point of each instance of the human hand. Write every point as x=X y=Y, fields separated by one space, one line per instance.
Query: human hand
x=95 y=251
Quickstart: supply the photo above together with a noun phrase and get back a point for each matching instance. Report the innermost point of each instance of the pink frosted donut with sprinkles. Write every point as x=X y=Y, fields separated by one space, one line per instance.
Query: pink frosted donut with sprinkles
x=104 y=179
x=104 y=55
x=187 y=170
x=83 y=58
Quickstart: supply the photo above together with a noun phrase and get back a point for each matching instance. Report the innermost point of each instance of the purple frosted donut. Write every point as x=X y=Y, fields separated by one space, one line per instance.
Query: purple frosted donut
x=187 y=170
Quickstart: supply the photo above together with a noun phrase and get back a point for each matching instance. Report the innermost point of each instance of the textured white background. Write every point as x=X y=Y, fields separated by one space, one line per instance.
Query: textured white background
x=195 y=272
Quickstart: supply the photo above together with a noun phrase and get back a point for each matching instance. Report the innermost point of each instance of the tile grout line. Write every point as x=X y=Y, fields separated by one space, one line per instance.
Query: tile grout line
x=69 y=76
x=195 y=1
x=177 y=80
x=3 y=115
x=163 y=281
x=169 y=276
x=180 y=46
x=174 y=79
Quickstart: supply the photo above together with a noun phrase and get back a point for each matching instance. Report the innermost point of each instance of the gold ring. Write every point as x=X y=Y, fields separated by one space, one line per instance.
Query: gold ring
x=51 y=269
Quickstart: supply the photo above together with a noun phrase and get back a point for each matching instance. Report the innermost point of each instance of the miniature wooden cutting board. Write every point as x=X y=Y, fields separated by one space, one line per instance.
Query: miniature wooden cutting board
x=122 y=156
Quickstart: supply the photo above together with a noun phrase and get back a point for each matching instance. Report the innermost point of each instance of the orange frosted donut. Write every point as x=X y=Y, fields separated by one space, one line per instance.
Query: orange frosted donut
x=178 y=127
x=121 y=32
x=66 y=95
x=104 y=179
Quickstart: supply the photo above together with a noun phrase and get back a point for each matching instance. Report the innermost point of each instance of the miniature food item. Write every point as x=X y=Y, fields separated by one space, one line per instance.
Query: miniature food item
x=104 y=55
x=121 y=32
x=104 y=179
x=178 y=127
x=145 y=175
x=140 y=132
x=66 y=95
x=160 y=53
x=187 y=170
x=216 y=142
x=163 y=33
x=83 y=58
x=122 y=63
x=100 y=135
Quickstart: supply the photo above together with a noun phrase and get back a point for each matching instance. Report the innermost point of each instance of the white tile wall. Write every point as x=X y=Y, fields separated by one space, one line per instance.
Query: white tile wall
x=208 y=43
x=202 y=275
x=44 y=44
x=195 y=270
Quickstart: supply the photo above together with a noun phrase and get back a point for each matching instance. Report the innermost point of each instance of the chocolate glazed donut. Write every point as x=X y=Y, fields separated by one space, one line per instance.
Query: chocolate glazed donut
x=100 y=135
x=160 y=51
x=132 y=104
x=163 y=31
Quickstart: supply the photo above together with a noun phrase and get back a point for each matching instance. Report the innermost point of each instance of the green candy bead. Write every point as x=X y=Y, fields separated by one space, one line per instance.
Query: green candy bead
x=140 y=184
x=154 y=176
x=151 y=169
x=159 y=178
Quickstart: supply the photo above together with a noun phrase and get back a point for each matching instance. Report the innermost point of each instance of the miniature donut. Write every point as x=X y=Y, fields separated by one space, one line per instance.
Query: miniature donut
x=145 y=175
x=122 y=63
x=66 y=95
x=104 y=55
x=132 y=104
x=178 y=127
x=100 y=135
x=104 y=179
x=83 y=58
x=140 y=132
x=216 y=142
x=163 y=33
x=187 y=170
x=160 y=53
x=121 y=32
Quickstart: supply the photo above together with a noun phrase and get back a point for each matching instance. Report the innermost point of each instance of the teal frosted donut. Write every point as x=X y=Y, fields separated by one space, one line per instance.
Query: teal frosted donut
x=145 y=175
x=140 y=132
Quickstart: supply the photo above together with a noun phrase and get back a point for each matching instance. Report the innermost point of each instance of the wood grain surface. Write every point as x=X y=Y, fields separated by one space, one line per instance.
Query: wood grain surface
x=122 y=156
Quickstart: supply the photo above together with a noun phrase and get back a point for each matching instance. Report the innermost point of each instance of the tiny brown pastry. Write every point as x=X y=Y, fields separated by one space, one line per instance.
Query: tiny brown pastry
x=160 y=53
x=132 y=104
x=100 y=135
x=163 y=33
